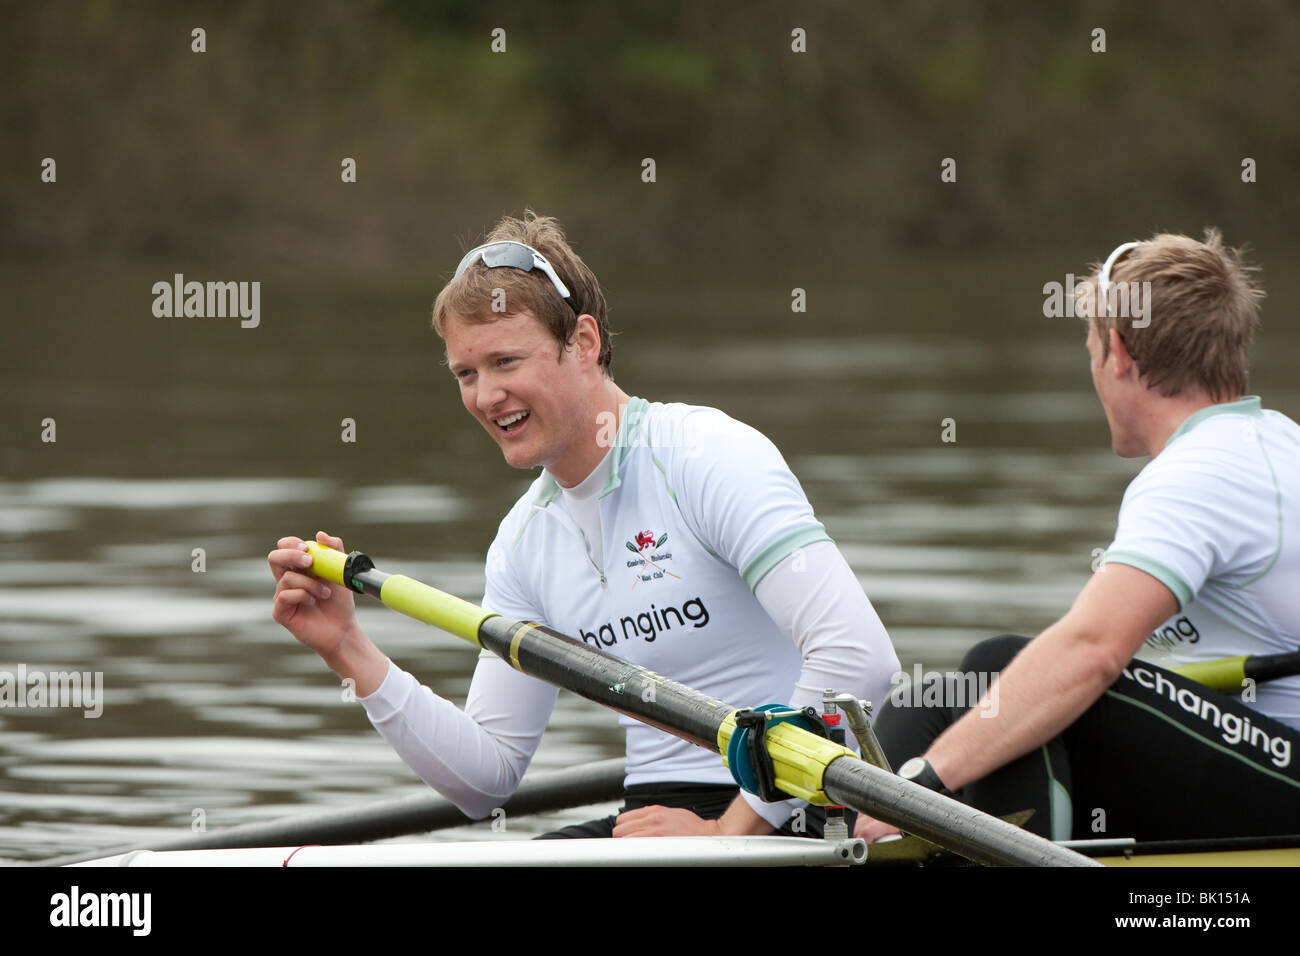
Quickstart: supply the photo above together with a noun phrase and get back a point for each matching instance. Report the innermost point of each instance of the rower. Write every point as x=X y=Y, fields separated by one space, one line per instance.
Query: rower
x=1204 y=561
x=734 y=588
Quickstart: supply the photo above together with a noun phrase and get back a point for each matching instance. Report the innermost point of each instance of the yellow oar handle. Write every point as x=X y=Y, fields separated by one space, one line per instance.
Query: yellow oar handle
x=405 y=595
x=1224 y=675
x=327 y=563
x=408 y=596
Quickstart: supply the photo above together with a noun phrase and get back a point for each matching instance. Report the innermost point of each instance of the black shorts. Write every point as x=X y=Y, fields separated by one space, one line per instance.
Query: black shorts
x=1157 y=757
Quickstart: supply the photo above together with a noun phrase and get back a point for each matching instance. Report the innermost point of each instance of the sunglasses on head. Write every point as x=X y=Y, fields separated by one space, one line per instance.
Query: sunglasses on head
x=507 y=254
x=1103 y=278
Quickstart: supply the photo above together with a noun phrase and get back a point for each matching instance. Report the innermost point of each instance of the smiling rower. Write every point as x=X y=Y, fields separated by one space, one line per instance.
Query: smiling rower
x=671 y=535
x=1205 y=564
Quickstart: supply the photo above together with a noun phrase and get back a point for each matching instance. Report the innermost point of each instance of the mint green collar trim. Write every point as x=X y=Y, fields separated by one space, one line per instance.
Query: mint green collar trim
x=1247 y=406
x=549 y=491
x=630 y=429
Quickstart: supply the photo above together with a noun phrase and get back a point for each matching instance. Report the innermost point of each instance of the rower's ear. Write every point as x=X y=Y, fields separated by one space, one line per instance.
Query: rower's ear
x=585 y=343
x=1123 y=360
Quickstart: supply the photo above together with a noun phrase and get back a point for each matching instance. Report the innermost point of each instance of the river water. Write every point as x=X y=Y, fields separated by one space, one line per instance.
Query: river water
x=181 y=434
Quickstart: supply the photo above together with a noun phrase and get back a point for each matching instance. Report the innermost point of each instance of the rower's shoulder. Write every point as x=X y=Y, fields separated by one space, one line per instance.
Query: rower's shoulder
x=697 y=431
x=1231 y=440
x=1224 y=457
x=1282 y=425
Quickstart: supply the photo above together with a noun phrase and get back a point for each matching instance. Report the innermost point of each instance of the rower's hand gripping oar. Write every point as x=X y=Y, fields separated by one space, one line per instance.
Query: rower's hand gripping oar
x=404 y=595
x=798 y=762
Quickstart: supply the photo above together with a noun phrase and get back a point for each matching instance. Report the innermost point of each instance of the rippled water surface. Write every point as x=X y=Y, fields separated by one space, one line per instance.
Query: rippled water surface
x=175 y=436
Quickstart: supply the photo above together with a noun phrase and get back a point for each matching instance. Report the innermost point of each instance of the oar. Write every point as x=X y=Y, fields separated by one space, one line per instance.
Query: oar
x=398 y=816
x=913 y=850
x=804 y=765
x=1230 y=674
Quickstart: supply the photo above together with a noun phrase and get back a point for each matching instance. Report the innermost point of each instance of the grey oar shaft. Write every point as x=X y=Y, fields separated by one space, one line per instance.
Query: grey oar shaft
x=953 y=825
x=399 y=816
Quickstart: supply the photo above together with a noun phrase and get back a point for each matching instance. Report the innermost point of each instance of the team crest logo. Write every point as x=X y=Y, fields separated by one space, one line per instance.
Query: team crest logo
x=646 y=539
x=647 y=549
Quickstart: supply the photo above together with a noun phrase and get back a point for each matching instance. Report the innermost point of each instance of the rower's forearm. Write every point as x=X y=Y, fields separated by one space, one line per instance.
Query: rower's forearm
x=1045 y=689
x=359 y=660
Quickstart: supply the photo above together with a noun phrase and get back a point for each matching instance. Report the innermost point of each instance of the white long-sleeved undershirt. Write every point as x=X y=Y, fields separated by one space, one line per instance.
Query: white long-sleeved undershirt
x=476 y=757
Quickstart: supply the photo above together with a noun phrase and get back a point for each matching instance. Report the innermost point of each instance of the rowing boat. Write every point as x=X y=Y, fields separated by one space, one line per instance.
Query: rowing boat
x=699 y=851
x=1246 y=851
x=1121 y=852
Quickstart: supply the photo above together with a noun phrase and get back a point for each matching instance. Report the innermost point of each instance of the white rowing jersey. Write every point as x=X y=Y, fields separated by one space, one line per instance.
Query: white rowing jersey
x=699 y=557
x=1215 y=517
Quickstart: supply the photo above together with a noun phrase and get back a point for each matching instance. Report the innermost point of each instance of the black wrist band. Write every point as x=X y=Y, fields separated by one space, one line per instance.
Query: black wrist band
x=919 y=771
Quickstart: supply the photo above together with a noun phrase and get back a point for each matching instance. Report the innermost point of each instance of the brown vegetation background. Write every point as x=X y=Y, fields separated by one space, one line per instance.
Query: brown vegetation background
x=236 y=152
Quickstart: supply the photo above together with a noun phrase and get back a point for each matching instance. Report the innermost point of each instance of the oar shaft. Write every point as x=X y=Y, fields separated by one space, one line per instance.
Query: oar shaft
x=631 y=689
x=1271 y=666
x=805 y=765
x=538 y=793
x=943 y=821
x=540 y=652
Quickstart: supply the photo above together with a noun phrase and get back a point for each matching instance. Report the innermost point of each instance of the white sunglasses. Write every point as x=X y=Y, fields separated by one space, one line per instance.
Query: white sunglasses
x=508 y=254
x=1103 y=278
